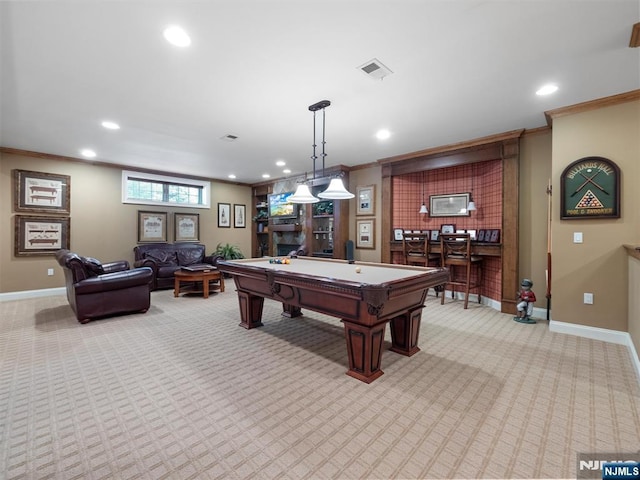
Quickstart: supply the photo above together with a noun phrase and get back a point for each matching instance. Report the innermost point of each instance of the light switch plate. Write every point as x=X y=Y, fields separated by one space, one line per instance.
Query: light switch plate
x=577 y=237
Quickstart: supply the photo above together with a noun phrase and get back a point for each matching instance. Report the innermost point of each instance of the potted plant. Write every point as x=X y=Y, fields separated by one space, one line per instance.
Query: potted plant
x=228 y=251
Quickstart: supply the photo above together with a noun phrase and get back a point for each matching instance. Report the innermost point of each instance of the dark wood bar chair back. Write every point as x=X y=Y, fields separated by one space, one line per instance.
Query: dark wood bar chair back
x=416 y=250
x=456 y=255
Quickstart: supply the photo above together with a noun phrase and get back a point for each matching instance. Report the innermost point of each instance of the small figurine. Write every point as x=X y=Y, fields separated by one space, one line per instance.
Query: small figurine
x=526 y=299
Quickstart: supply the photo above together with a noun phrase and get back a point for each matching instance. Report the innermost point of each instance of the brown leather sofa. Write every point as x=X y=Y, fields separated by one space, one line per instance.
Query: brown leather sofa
x=165 y=258
x=97 y=289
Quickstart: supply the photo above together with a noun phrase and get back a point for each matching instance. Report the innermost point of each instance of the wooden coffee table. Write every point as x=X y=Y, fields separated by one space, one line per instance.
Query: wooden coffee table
x=202 y=276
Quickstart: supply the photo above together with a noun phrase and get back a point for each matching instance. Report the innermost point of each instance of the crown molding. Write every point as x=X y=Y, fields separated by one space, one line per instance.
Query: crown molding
x=631 y=96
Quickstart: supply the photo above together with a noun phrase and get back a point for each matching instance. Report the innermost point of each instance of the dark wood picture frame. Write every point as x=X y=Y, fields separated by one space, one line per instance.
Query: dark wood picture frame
x=40 y=192
x=451 y=205
x=224 y=215
x=186 y=227
x=152 y=227
x=41 y=235
x=239 y=216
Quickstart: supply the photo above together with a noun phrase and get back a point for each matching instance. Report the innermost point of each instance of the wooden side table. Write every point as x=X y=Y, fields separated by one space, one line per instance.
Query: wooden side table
x=202 y=276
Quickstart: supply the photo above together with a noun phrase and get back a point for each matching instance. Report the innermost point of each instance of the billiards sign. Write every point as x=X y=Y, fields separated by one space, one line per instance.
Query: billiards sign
x=590 y=188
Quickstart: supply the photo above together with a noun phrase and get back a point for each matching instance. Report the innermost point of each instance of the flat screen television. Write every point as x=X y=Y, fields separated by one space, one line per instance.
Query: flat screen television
x=281 y=207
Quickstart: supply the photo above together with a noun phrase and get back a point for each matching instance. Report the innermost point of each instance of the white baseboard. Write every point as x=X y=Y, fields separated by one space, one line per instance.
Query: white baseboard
x=45 y=292
x=595 y=333
x=603 y=334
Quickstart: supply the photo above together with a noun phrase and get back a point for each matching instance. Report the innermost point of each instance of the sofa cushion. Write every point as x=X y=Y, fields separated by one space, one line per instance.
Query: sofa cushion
x=190 y=256
x=93 y=266
x=162 y=257
x=166 y=271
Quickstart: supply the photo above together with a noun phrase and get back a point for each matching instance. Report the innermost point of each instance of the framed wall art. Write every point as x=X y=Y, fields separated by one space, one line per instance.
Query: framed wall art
x=452 y=205
x=41 y=235
x=152 y=227
x=42 y=192
x=224 y=215
x=239 y=216
x=365 y=233
x=187 y=227
x=366 y=200
x=590 y=188
x=492 y=236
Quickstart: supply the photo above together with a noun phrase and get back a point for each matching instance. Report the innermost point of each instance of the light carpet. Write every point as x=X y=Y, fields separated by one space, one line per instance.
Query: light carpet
x=182 y=392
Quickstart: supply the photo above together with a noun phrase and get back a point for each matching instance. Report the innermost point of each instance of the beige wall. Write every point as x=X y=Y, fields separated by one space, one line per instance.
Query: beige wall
x=599 y=265
x=535 y=172
x=362 y=177
x=634 y=301
x=101 y=225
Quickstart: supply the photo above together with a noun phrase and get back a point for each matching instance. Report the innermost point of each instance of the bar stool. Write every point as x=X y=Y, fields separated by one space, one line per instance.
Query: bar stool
x=455 y=254
x=416 y=250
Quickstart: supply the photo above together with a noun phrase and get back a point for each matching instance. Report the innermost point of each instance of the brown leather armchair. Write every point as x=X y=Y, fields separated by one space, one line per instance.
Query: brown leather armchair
x=97 y=289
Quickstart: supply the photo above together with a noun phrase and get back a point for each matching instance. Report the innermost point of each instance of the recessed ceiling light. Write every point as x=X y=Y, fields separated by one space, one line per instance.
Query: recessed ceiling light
x=110 y=125
x=281 y=163
x=87 y=152
x=175 y=35
x=231 y=175
x=286 y=171
x=383 y=134
x=266 y=175
x=547 y=89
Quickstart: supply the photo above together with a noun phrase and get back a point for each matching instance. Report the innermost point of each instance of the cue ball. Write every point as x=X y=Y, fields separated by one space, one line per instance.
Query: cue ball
x=357 y=269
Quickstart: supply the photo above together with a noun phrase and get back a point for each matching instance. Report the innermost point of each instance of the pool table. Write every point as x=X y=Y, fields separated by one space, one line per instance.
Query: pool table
x=365 y=296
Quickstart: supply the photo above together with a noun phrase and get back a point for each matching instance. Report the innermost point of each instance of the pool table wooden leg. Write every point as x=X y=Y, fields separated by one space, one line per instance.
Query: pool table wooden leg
x=405 y=332
x=291 y=311
x=250 y=310
x=364 y=348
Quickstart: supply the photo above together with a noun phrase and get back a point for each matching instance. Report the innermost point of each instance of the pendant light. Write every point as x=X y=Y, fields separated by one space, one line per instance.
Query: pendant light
x=423 y=208
x=336 y=189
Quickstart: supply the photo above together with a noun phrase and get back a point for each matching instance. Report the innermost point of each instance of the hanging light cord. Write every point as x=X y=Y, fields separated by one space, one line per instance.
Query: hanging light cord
x=314 y=157
x=323 y=142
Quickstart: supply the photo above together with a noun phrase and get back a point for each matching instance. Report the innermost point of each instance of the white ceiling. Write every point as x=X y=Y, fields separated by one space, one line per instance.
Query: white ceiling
x=462 y=69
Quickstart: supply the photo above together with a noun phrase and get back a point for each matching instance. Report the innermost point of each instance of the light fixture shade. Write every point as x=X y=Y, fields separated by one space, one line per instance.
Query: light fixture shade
x=336 y=191
x=303 y=195
x=423 y=209
x=472 y=206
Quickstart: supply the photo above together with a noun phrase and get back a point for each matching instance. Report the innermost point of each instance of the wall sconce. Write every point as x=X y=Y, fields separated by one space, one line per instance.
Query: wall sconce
x=423 y=207
x=472 y=205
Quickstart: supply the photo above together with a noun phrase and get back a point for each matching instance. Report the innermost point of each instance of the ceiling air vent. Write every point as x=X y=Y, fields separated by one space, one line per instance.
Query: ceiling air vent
x=375 y=69
x=229 y=138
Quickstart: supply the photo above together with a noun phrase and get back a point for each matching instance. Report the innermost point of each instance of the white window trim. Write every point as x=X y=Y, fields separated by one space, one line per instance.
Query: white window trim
x=206 y=189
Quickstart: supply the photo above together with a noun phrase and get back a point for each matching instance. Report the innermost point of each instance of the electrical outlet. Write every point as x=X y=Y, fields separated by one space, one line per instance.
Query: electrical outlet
x=588 y=298
x=50 y=272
